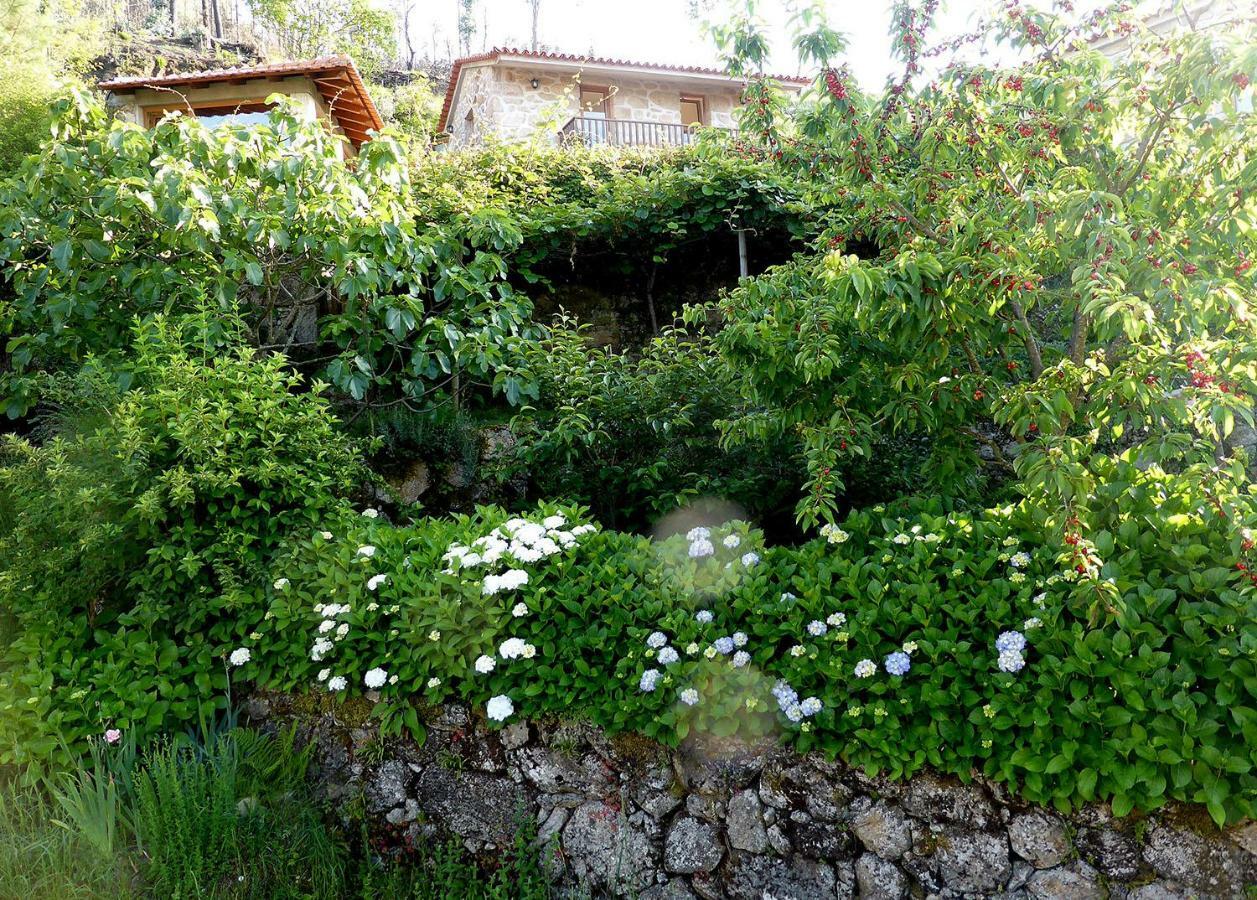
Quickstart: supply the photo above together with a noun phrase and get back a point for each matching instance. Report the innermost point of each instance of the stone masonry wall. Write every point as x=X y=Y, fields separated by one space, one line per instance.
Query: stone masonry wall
x=622 y=816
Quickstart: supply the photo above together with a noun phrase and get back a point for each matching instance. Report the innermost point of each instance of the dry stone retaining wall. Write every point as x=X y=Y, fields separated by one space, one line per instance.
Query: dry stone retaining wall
x=622 y=816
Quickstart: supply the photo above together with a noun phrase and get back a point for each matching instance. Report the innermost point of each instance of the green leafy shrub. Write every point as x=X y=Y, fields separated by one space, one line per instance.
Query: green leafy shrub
x=1117 y=667
x=270 y=216
x=635 y=437
x=133 y=534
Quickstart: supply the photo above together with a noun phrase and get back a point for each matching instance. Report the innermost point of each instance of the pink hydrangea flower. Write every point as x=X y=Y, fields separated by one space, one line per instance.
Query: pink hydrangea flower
x=112 y=736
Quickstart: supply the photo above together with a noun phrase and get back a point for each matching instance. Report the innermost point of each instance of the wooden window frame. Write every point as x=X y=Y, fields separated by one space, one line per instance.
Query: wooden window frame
x=606 y=92
x=702 y=109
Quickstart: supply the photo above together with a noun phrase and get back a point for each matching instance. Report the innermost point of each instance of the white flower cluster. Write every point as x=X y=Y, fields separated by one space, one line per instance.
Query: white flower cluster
x=701 y=545
x=834 y=534
x=518 y=541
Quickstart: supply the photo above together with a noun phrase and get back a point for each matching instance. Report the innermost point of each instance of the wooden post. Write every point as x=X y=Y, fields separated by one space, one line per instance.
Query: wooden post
x=743 y=268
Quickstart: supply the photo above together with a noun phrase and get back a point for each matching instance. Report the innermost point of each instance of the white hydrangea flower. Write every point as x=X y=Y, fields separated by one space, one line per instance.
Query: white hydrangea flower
x=485 y=664
x=499 y=708
x=323 y=673
x=512 y=648
x=529 y=651
x=281 y=583
x=337 y=683
x=1031 y=623
x=901 y=539
x=341 y=630
x=836 y=620
x=371 y=513
x=366 y=551
x=689 y=697
x=519 y=610
x=326 y=535
x=649 y=680
x=434 y=683
x=375 y=678
x=834 y=534
x=1020 y=560
x=375 y=581
x=865 y=668
x=513 y=578
x=372 y=607
x=434 y=635
x=326 y=625
x=732 y=541
x=555 y=521
x=240 y=656
x=320 y=648
x=581 y=530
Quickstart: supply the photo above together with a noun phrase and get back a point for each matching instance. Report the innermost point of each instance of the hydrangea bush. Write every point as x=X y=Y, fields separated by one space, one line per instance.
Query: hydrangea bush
x=906 y=638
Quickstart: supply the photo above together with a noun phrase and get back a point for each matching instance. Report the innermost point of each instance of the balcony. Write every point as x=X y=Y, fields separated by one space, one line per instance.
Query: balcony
x=591 y=131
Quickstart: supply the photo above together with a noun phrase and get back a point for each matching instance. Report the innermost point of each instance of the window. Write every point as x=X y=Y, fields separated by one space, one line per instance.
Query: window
x=693 y=111
x=213 y=116
x=593 y=102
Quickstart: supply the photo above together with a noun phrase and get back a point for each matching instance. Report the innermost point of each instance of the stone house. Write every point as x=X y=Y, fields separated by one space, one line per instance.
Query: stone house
x=516 y=95
x=329 y=89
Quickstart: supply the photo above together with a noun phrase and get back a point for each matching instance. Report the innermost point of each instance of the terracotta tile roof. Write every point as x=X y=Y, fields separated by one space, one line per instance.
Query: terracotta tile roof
x=336 y=77
x=577 y=59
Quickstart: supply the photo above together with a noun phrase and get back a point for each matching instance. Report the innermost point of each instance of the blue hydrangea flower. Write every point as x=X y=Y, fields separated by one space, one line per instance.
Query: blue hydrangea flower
x=724 y=645
x=1011 y=661
x=703 y=615
x=689 y=697
x=656 y=640
x=668 y=656
x=898 y=663
x=811 y=706
x=750 y=559
x=1010 y=640
x=786 y=696
x=700 y=548
x=739 y=638
x=741 y=658
x=816 y=628
x=650 y=680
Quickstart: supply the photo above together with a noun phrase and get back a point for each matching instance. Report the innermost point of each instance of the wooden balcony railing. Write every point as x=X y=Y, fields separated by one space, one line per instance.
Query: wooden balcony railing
x=628 y=132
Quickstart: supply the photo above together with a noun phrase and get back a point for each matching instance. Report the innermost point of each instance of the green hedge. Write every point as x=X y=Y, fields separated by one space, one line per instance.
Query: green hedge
x=1138 y=676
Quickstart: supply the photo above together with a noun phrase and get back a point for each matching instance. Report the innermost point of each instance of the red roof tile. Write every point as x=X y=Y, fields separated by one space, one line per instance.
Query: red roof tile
x=336 y=77
x=498 y=52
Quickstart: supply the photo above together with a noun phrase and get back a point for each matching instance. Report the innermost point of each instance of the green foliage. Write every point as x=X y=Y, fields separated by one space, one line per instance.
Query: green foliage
x=307 y=29
x=133 y=534
x=26 y=95
x=214 y=822
x=634 y=438
x=437 y=871
x=43 y=860
x=568 y=203
x=1036 y=280
x=112 y=221
x=1138 y=671
x=411 y=109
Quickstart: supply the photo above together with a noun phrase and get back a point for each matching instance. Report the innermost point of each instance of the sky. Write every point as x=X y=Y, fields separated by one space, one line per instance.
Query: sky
x=665 y=31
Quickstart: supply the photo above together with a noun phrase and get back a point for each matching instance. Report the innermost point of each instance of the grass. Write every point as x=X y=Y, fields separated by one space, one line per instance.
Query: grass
x=226 y=814
x=43 y=860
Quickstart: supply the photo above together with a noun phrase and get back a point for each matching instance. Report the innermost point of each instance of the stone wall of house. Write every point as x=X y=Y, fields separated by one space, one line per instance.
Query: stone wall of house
x=503 y=102
x=622 y=816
